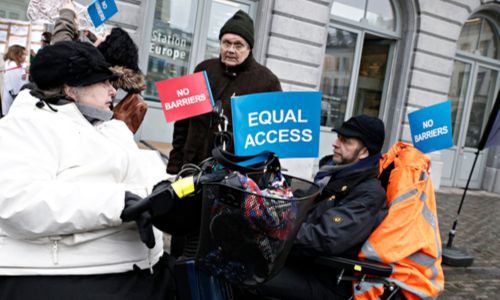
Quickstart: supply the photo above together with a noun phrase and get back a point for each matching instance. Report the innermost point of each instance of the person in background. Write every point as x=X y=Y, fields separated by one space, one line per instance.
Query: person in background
x=2 y=71
x=66 y=26
x=44 y=41
x=14 y=75
x=120 y=51
x=122 y=54
x=46 y=38
x=69 y=173
x=234 y=72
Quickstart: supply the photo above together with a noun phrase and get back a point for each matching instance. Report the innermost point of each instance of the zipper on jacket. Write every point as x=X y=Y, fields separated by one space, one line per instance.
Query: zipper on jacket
x=149 y=261
x=55 y=249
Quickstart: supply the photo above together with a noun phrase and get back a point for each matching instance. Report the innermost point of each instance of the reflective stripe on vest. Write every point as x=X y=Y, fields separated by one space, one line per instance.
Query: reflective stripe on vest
x=404 y=197
x=408 y=288
x=370 y=252
x=428 y=262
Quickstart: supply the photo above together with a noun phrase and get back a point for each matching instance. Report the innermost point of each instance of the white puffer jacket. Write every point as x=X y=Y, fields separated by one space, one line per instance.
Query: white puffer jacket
x=62 y=187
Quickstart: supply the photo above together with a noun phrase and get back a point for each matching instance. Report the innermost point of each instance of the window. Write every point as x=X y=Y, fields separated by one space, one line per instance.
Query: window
x=376 y=13
x=171 y=41
x=14 y=16
x=180 y=38
x=359 y=50
x=337 y=74
x=220 y=12
x=479 y=37
x=457 y=95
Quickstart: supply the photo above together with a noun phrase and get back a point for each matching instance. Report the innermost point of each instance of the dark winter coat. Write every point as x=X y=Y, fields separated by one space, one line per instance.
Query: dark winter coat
x=351 y=205
x=193 y=137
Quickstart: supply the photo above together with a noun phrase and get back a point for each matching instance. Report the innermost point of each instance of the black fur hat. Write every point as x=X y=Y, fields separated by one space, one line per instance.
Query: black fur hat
x=69 y=62
x=121 y=52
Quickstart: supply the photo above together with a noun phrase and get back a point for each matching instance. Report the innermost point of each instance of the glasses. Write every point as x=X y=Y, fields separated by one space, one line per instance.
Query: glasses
x=237 y=45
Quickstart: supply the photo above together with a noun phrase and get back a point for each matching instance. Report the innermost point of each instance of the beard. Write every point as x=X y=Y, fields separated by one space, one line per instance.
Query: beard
x=347 y=159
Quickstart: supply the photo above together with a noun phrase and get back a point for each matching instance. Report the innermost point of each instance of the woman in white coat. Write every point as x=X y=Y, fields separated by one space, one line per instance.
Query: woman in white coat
x=67 y=172
x=14 y=75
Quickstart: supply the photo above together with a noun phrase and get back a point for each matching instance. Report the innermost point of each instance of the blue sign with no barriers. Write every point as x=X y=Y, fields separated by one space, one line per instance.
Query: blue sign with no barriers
x=286 y=123
x=101 y=10
x=431 y=127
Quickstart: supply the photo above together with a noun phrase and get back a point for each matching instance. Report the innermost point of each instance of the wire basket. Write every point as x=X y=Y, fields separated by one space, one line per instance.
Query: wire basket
x=246 y=237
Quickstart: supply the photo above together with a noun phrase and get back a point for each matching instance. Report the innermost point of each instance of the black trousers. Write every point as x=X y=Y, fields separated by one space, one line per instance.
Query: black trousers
x=134 y=285
x=300 y=281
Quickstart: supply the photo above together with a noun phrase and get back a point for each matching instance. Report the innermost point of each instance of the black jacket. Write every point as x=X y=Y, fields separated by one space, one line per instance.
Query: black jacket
x=193 y=137
x=350 y=206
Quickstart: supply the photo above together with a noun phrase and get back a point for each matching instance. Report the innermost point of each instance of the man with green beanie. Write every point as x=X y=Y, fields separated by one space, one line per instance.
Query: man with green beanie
x=234 y=73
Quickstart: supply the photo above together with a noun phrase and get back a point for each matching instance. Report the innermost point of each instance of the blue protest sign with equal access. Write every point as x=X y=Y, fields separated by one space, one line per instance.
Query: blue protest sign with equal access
x=431 y=127
x=101 y=10
x=286 y=123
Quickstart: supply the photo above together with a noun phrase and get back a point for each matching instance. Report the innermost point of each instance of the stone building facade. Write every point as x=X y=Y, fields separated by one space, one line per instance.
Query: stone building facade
x=380 y=57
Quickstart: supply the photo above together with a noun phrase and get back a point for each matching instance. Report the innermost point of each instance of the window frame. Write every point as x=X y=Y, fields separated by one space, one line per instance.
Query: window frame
x=361 y=29
x=495 y=26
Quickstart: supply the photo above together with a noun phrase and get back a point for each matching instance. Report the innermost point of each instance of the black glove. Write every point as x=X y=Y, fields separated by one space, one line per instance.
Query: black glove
x=162 y=198
x=142 y=218
x=158 y=203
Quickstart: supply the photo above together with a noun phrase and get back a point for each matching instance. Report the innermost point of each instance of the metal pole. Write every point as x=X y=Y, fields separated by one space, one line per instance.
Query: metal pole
x=154 y=148
x=452 y=232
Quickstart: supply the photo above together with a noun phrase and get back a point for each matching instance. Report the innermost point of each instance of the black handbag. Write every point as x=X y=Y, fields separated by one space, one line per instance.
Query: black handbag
x=185 y=215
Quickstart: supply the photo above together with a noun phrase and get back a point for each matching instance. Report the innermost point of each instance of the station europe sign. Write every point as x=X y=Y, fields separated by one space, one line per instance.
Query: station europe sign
x=168 y=44
x=286 y=123
x=431 y=127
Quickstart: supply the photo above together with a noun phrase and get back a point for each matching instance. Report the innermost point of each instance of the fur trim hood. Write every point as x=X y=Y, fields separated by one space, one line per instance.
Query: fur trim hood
x=129 y=80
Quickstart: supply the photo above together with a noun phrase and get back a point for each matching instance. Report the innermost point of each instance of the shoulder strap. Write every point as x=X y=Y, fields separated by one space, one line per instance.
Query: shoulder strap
x=265 y=160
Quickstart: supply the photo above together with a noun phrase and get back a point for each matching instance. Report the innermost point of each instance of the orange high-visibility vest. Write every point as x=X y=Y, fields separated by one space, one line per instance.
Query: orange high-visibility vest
x=408 y=238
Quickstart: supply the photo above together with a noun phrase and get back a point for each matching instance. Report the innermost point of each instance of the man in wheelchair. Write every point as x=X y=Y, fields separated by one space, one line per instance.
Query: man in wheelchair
x=351 y=204
x=355 y=242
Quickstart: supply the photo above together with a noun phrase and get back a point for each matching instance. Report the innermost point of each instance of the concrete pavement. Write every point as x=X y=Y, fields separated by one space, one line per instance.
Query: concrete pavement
x=478 y=232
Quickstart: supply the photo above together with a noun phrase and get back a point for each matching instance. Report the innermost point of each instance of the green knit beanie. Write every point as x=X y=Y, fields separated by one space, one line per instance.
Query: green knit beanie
x=240 y=24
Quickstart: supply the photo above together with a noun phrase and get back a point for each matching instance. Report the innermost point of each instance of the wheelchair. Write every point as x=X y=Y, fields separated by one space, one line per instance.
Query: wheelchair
x=196 y=282
x=245 y=234
x=218 y=263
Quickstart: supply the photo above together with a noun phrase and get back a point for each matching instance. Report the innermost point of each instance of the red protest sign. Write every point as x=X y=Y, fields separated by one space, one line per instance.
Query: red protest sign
x=186 y=96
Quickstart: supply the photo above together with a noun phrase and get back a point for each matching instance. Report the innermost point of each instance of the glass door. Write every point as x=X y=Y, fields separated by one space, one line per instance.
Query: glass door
x=339 y=71
x=483 y=96
x=171 y=42
x=459 y=87
x=472 y=91
x=372 y=76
